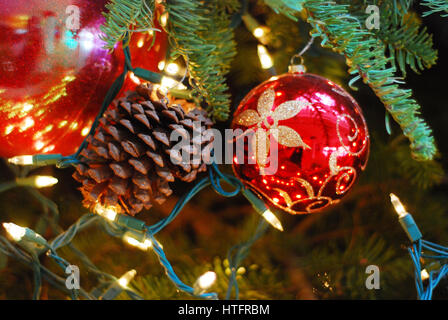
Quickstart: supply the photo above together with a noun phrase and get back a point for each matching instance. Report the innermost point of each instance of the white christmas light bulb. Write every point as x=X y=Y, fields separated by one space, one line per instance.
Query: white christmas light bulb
x=172 y=68
x=399 y=208
x=16 y=232
x=270 y=217
x=45 y=181
x=265 y=58
x=161 y=65
x=145 y=245
x=164 y=19
x=21 y=160
x=126 y=278
x=106 y=212
x=424 y=274
x=258 y=32
x=168 y=83
x=206 y=280
x=134 y=78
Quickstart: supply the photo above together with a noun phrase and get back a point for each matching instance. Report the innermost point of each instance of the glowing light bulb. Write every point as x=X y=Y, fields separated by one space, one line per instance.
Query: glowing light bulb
x=169 y=83
x=110 y=214
x=127 y=278
x=87 y=40
x=27 y=123
x=399 y=208
x=45 y=181
x=16 y=232
x=424 y=274
x=48 y=148
x=106 y=212
x=258 y=32
x=145 y=245
x=134 y=78
x=27 y=107
x=172 y=68
x=261 y=33
x=265 y=58
x=21 y=160
x=39 y=145
x=36 y=181
x=85 y=131
x=164 y=19
x=161 y=65
x=206 y=280
x=270 y=217
x=9 y=129
x=140 y=43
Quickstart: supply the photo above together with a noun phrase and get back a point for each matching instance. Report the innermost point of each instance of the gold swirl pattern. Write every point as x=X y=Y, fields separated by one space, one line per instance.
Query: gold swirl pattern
x=351 y=138
x=344 y=176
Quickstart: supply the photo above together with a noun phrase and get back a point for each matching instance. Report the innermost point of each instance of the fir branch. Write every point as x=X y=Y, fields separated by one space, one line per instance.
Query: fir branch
x=394 y=9
x=126 y=16
x=407 y=43
x=331 y=268
x=200 y=32
x=399 y=8
x=423 y=175
x=254 y=281
x=400 y=30
x=436 y=6
x=286 y=7
x=365 y=55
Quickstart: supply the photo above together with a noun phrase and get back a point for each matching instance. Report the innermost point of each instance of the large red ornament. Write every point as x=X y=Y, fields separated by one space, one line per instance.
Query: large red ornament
x=308 y=142
x=53 y=79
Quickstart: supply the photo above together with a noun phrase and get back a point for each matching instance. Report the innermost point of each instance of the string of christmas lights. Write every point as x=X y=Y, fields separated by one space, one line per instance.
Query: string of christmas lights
x=435 y=271
x=130 y=229
x=136 y=233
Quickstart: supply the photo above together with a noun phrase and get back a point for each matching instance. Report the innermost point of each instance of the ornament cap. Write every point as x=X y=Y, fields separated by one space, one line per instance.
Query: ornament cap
x=296 y=68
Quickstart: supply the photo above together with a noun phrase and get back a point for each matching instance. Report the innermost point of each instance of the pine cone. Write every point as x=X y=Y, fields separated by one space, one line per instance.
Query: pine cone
x=127 y=163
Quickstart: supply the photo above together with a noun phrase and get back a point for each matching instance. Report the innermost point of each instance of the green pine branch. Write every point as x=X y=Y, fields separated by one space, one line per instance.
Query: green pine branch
x=407 y=42
x=255 y=282
x=399 y=8
x=123 y=16
x=365 y=55
x=436 y=6
x=331 y=268
x=394 y=9
x=400 y=29
x=286 y=7
x=200 y=31
x=422 y=174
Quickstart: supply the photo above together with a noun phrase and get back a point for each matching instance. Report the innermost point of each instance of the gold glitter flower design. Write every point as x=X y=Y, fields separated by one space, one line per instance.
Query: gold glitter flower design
x=264 y=115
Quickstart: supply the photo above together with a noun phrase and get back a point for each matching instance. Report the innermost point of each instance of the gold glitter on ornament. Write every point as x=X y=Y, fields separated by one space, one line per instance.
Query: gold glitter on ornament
x=284 y=135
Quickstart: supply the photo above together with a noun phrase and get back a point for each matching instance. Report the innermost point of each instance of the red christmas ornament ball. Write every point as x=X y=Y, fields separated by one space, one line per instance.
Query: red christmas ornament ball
x=305 y=142
x=53 y=79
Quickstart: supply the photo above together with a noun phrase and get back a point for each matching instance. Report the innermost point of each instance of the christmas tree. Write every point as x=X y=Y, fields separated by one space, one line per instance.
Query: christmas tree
x=95 y=206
